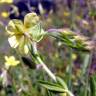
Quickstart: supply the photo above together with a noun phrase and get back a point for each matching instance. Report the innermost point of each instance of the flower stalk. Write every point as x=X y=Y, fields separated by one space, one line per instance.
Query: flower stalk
x=41 y=62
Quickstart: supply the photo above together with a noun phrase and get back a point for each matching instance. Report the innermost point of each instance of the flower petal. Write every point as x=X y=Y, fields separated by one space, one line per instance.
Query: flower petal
x=13 y=41
x=15 y=63
x=15 y=27
x=23 y=48
x=10 y=61
x=6 y=58
x=30 y=20
x=26 y=50
x=12 y=58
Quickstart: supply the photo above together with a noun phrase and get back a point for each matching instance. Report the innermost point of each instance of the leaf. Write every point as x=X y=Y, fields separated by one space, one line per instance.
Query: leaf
x=49 y=93
x=93 y=85
x=52 y=87
x=69 y=40
x=62 y=83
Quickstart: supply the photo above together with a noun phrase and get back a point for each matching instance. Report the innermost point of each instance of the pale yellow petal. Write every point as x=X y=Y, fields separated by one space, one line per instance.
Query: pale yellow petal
x=13 y=41
x=12 y=58
x=6 y=58
x=7 y=65
x=31 y=19
x=15 y=27
x=9 y=1
x=15 y=63
x=26 y=50
x=21 y=42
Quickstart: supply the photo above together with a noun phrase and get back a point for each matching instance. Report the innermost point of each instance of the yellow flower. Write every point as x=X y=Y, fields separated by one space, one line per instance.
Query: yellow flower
x=66 y=14
x=11 y=61
x=6 y=1
x=5 y=14
x=74 y=56
x=21 y=35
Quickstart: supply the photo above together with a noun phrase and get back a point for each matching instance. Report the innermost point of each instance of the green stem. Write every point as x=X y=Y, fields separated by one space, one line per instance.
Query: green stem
x=85 y=74
x=70 y=69
x=41 y=62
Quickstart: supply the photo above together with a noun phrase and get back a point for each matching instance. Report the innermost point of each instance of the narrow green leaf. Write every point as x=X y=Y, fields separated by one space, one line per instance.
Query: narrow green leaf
x=62 y=83
x=50 y=93
x=93 y=85
x=52 y=87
